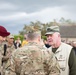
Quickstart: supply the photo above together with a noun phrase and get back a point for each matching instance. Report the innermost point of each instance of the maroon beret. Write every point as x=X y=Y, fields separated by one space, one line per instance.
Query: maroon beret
x=4 y=32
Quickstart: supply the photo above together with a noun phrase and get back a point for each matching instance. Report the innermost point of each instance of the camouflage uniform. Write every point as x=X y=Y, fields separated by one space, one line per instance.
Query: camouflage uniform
x=3 y=33
x=33 y=59
x=1 y=47
x=6 y=58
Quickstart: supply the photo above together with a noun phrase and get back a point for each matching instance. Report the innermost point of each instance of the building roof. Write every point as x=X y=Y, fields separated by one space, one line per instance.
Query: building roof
x=68 y=31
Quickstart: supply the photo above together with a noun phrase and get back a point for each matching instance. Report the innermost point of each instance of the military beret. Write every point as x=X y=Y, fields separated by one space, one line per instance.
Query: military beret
x=4 y=32
x=52 y=29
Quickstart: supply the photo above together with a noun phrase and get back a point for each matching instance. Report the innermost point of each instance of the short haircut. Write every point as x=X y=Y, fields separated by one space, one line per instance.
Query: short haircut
x=33 y=35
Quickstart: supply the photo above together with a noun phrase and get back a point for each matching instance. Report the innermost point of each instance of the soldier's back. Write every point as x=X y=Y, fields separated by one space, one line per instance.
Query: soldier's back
x=33 y=59
x=29 y=60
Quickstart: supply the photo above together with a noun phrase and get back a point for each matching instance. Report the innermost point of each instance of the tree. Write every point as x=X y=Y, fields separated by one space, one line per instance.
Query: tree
x=36 y=25
x=42 y=26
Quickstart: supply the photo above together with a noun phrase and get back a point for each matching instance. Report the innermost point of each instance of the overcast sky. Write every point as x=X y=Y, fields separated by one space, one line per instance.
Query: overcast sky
x=15 y=13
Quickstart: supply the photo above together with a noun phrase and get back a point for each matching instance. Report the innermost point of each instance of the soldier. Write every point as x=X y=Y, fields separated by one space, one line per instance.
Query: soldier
x=33 y=58
x=3 y=33
x=8 y=49
x=63 y=52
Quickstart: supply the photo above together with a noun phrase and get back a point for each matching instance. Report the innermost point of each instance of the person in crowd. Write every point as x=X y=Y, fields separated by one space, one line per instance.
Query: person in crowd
x=8 y=49
x=74 y=46
x=24 y=42
x=46 y=44
x=33 y=59
x=18 y=42
x=3 y=34
x=63 y=52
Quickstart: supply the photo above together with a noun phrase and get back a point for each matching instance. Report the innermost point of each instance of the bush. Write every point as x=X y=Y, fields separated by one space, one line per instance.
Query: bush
x=20 y=36
x=44 y=37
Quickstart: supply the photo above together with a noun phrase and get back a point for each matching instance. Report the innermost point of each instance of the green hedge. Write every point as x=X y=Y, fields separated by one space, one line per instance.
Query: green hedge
x=44 y=37
x=20 y=36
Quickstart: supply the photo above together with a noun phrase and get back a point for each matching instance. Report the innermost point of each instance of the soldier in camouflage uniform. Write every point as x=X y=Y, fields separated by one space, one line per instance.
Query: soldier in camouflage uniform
x=3 y=33
x=9 y=49
x=33 y=59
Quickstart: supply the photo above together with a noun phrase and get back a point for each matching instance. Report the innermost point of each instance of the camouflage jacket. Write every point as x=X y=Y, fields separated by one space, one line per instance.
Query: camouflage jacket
x=6 y=58
x=33 y=59
x=1 y=48
x=9 y=51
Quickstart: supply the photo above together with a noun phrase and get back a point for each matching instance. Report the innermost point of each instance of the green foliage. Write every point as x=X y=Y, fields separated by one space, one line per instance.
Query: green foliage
x=20 y=36
x=44 y=37
x=43 y=26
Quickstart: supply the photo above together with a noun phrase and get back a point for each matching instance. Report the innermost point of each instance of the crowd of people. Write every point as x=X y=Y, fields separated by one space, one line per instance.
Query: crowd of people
x=34 y=56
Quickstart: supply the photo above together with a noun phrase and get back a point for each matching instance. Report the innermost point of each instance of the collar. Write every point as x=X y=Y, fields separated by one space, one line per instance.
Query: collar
x=59 y=49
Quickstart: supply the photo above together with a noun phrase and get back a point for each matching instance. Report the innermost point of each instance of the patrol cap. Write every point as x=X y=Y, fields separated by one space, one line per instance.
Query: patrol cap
x=4 y=32
x=52 y=29
x=11 y=36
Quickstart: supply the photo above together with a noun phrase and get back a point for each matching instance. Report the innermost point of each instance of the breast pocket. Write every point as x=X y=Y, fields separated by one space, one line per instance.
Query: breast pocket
x=62 y=62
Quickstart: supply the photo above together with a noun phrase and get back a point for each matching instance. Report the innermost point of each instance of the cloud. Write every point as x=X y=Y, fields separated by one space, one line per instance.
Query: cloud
x=15 y=13
x=15 y=16
x=7 y=6
x=47 y=14
x=50 y=13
